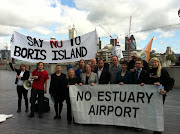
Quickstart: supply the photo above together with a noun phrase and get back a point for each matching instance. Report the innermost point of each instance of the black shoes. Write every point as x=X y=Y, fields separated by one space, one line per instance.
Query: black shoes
x=31 y=115
x=26 y=110
x=59 y=117
x=155 y=132
x=19 y=110
x=40 y=115
x=55 y=117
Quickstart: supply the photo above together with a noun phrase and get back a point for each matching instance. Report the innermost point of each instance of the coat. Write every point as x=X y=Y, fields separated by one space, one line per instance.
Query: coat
x=92 y=78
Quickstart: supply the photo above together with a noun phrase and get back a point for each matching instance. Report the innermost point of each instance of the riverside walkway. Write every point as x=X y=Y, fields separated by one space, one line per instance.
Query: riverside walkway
x=21 y=124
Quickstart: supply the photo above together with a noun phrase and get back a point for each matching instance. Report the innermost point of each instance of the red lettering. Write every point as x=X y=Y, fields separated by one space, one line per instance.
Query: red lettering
x=55 y=43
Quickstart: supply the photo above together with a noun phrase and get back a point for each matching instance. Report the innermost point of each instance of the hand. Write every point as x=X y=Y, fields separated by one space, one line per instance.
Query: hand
x=75 y=84
x=157 y=83
x=10 y=60
x=80 y=84
x=163 y=92
x=92 y=84
x=121 y=83
x=132 y=70
x=142 y=84
x=45 y=91
x=68 y=86
x=35 y=77
x=19 y=77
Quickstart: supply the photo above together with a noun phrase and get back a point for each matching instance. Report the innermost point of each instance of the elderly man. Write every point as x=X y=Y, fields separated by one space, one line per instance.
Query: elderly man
x=94 y=65
x=135 y=56
x=113 y=69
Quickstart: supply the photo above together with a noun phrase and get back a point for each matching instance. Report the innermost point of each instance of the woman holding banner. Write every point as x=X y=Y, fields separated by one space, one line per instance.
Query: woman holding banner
x=57 y=90
x=89 y=77
x=39 y=86
x=71 y=80
x=22 y=74
x=124 y=76
x=160 y=77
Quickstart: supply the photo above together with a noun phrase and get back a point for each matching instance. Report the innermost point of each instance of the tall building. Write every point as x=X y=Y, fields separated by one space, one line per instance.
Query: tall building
x=72 y=33
x=113 y=42
x=132 y=43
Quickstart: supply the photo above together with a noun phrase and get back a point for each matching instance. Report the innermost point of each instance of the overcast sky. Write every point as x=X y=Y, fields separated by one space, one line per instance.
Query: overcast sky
x=47 y=18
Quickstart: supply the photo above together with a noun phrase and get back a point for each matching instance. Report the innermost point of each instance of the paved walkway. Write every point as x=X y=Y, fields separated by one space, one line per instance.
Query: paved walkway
x=21 y=124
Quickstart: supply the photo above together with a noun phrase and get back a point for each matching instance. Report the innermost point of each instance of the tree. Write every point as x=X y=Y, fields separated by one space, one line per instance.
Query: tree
x=171 y=57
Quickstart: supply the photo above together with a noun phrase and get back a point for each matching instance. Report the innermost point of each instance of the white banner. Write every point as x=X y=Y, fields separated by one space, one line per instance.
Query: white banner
x=122 y=105
x=117 y=51
x=32 y=49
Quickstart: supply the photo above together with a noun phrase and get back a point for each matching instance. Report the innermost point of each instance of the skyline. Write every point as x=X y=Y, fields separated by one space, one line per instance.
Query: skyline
x=47 y=18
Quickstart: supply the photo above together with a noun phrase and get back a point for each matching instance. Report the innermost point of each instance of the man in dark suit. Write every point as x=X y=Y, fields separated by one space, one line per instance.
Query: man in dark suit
x=102 y=73
x=140 y=76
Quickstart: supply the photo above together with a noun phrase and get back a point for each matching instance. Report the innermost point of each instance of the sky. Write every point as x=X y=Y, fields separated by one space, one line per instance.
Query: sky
x=47 y=18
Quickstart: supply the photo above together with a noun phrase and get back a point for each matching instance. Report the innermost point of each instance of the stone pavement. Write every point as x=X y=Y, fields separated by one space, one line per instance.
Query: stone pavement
x=21 y=124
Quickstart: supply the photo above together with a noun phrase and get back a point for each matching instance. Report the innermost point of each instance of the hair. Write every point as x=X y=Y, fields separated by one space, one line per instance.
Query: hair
x=115 y=56
x=124 y=62
x=22 y=65
x=159 y=66
x=58 y=65
x=140 y=60
x=38 y=65
x=89 y=65
x=80 y=61
x=135 y=53
x=100 y=60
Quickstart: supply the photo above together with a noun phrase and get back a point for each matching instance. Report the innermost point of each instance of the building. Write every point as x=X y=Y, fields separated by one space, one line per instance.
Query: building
x=131 y=42
x=4 y=54
x=72 y=33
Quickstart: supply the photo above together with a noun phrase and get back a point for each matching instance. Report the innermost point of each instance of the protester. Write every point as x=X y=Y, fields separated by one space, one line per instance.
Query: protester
x=139 y=76
x=39 y=87
x=94 y=65
x=81 y=69
x=57 y=90
x=102 y=73
x=122 y=60
x=159 y=76
x=135 y=56
x=89 y=77
x=71 y=80
x=22 y=74
x=113 y=69
x=124 y=76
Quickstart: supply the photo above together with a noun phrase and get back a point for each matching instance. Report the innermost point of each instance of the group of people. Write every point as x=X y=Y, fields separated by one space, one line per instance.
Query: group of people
x=137 y=71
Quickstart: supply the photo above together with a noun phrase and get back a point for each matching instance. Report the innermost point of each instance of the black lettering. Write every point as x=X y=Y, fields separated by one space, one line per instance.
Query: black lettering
x=72 y=53
x=120 y=112
x=121 y=96
x=35 y=42
x=87 y=96
x=91 y=110
x=80 y=95
x=127 y=110
x=97 y=110
x=102 y=109
x=149 y=97
x=79 y=40
x=43 y=54
x=83 y=51
x=115 y=93
x=41 y=42
x=78 y=52
x=140 y=95
x=37 y=54
x=65 y=55
x=72 y=42
x=30 y=39
x=131 y=97
x=24 y=52
x=30 y=52
x=17 y=51
x=110 y=109
x=55 y=56
x=61 y=54
x=100 y=93
x=108 y=97
x=135 y=110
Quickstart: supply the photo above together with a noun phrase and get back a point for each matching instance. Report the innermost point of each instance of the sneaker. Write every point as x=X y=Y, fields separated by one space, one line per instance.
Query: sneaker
x=19 y=110
x=40 y=115
x=59 y=117
x=55 y=117
x=31 y=115
x=26 y=110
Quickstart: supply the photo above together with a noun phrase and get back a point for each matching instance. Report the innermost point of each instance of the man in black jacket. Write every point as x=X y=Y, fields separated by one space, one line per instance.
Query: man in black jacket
x=140 y=76
x=102 y=73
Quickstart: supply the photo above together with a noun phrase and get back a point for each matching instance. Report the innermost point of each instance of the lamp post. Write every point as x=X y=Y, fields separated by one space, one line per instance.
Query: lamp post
x=179 y=13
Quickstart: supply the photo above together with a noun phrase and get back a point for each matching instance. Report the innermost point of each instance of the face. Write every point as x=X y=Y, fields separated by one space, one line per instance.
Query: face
x=23 y=68
x=93 y=61
x=138 y=65
x=81 y=64
x=134 y=58
x=100 y=64
x=71 y=74
x=121 y=60
x=58 y=69
x=114 y=61
x=88 y=68
x=40 y=66
x=123 y=66
x=154 y=64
